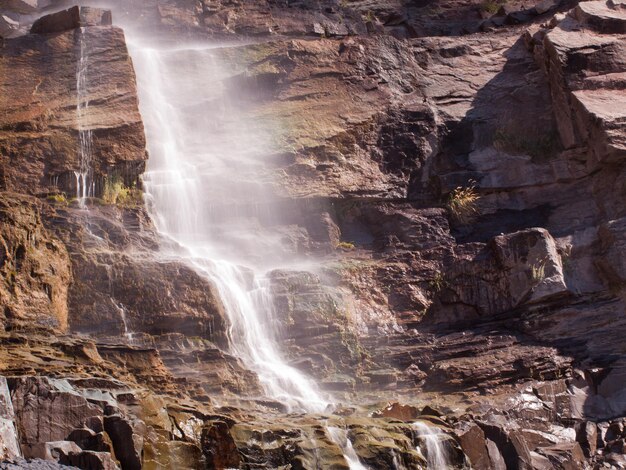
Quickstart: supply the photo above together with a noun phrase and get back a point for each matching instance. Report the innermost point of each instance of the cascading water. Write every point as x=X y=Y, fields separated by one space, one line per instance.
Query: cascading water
x=436 y=455
x=84 y=175
x=203 y=170
x=340 y=437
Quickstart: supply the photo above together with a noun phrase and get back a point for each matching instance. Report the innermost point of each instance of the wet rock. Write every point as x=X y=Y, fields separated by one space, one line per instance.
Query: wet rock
x=398 y=411
x=34 y=266
x=75 y=17
x=472 y=441
x=218 y=446
x=39 y=159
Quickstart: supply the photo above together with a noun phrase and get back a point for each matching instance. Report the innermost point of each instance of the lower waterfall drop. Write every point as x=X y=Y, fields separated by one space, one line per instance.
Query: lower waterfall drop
x=340 y=437
x=435 y=453
x=201 y=174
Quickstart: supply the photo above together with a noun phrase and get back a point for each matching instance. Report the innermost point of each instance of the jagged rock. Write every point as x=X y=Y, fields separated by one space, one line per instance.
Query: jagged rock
x=33 y=464
x=398 y=411
x=32 y=103
x=566 y=456
x=53 y=450
x=9 y=443
x=127 y=437
x=47 y=410
x=8 y=26
x=472 y=441
x=218 y=446
x=532 y=265
x=89 y=459
x=34 y=265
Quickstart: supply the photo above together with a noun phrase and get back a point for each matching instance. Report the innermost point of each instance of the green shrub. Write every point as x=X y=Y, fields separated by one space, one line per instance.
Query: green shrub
x=116 y=192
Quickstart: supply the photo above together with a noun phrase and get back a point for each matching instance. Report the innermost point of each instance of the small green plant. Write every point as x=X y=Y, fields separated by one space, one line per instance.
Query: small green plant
x=491 y=6
x=438 y=282
x=369 y=16
x=538 y=271
x=539 y=148
x=463 y=203
x=347 y=246
x=58 y=198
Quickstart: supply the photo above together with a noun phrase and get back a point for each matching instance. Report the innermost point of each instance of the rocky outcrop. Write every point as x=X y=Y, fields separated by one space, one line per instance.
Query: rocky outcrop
x=40 y=118
x=35 y=268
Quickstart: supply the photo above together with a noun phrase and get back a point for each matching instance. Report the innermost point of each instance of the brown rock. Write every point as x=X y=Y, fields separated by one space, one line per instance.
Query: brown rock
x=128 y=440
x=75 y=17
x=34 y=266
x=474 y=445
x=46 y=411
x=218 y=446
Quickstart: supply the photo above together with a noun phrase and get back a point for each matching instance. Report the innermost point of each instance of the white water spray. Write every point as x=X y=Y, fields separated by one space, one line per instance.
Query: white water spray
x=436 y=455
x=203 y=171
x=84 y=175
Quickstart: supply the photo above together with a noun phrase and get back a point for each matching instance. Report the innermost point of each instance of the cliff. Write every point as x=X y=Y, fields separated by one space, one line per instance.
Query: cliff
x=452 y=173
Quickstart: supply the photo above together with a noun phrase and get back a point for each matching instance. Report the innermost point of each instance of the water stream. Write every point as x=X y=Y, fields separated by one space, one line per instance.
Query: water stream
x=340 y=437
x=203 y=172
x=436 y=454
x=84 y=174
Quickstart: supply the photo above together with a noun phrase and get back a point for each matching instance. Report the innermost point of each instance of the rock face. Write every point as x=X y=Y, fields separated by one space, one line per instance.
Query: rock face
x=40 y=118
x=454 y=173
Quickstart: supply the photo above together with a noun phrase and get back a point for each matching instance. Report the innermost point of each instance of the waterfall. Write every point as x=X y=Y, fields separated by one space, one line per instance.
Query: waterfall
x=340 y=437
x=84 y=174
x=436 y=455
x=202 y=174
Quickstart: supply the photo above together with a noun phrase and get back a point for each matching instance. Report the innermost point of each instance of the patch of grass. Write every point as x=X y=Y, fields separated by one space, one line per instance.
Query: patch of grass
x=538 y=271
x=369 y=16
x=346 y=246
x=58 y=198
x=491 y=6
x=463 y=204
x=438 y=282
x=540 y=148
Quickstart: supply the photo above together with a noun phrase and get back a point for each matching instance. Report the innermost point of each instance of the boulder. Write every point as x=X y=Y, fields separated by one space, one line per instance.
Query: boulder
x=53 y=450
x=472 y=440
x=72 y=18
x=531 y=264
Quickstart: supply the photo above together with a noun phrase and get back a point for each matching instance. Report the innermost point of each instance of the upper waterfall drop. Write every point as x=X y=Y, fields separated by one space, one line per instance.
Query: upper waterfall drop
x=85 y=185
x=202 y=176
